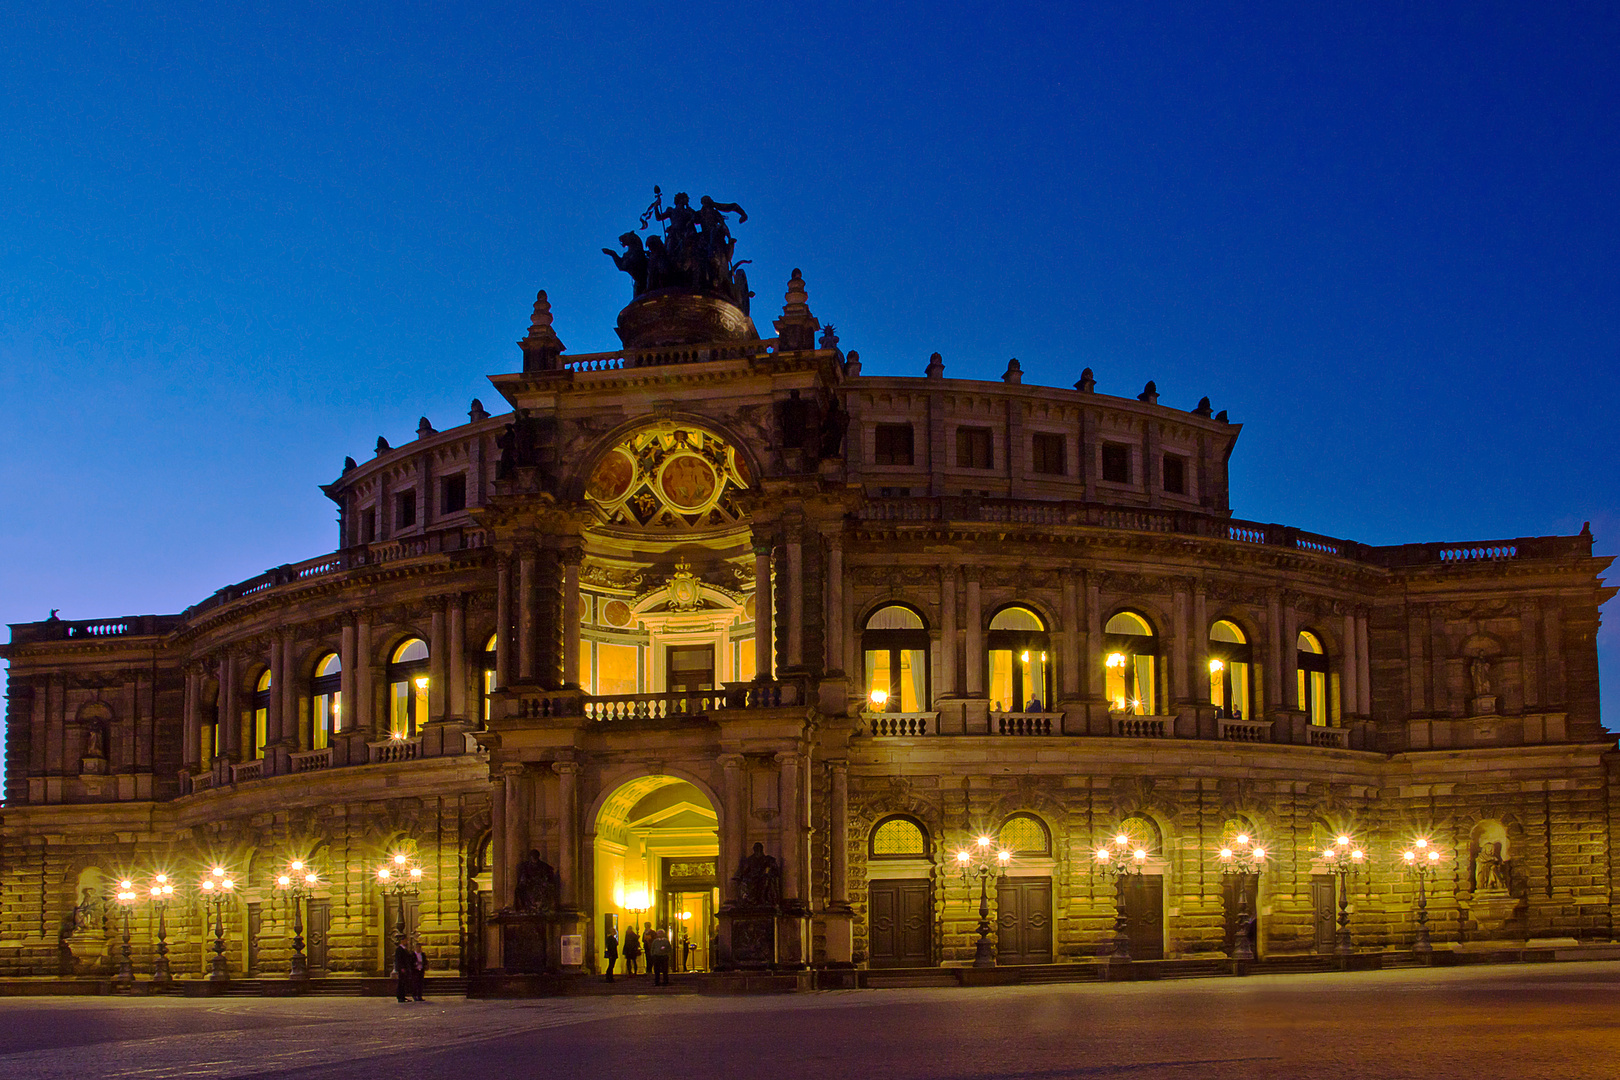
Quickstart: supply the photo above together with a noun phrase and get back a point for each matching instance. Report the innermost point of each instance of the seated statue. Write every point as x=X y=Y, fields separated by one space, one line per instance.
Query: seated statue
x=536 y=886
x=759 y=879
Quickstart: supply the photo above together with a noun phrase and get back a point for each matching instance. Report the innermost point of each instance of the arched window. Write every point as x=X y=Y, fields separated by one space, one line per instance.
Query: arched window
x=326 y=715
x=895 y=646
x=261 y=713
x=408 y=688
x=1130 y=666
x=899 y=838
x=1025 y=835
x=489 y=674
x=1313 y=678
x=1020 y=662
x=1230 y=655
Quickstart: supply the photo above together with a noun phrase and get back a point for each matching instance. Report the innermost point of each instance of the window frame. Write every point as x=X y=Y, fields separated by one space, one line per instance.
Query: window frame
x=325 y=719
x=453 y=483
x=927 y=839
x=879 y=430
x=1039 y=458
x=1015 y=642
x=1230 y=653
x=404 y=500
x=1124 y=453
x=894 y=642
x=1308 y=666
x=407 y=672
x=1181 y=463
x=1129 y=645
x=966 y=442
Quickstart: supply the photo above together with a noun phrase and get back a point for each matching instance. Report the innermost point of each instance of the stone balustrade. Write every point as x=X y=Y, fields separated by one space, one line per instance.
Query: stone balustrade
x=310 y=760
x=387 y=751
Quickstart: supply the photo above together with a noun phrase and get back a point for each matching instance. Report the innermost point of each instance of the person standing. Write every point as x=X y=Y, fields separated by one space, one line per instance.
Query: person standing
x=632 y=950
x=419 y=975
x=610 y=952
x=404 y=971
x=658 y=957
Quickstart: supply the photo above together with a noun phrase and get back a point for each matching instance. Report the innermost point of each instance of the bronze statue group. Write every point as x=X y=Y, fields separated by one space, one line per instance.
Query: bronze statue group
x=694 y=251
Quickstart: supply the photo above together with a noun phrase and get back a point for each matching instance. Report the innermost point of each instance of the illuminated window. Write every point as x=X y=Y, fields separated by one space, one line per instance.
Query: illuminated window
x=408 y=688
x=1020 y=665
x=261 y=713
x=326 y=701
x=1230 y=656
x=894 y=644
x=1130 y=665
x=893 y=444
x=1049 y=454
x=973 y=448
x=489 y=674
x=1313 y=678
x=1025 y=834
x=899 y=838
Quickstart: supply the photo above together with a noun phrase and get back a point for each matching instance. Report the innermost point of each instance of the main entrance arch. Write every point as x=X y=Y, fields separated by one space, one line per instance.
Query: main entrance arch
x=655 y=859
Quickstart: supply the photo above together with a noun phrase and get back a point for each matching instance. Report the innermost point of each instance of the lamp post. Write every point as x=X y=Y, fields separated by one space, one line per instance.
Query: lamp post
x=218 y=887
x=1121 y=860
x=1241 y=860
x=1345 y=859
x=297 y=882
x=981 y=862
x=126 y=897
x=401 y=877
x=160 y=893
x=1423 y=860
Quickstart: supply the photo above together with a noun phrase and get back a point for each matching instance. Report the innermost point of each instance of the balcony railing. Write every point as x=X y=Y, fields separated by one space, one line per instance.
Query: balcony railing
x=310 y=760
x=653 y=706
x=901 y=724
x=390 y=750
x=1025 y=723
x=1245 y=731
x=1128 y=726
x=770 y=695
x=247 y=770
x=1328 y=736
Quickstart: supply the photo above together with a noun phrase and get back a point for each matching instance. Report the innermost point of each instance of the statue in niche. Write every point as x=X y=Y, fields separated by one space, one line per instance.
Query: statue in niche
x=759 y=879
x=95 y=742
x=84 y=913
x=1490 y=869
x=536 y=885
x=1479 y=670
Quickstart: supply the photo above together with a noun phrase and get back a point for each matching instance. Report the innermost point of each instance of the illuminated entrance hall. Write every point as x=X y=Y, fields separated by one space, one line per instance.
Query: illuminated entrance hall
x=655 y=854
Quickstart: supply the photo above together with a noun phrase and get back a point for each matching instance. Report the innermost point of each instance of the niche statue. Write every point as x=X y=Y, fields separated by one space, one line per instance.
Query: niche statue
x=536 y=886
x=759 y=879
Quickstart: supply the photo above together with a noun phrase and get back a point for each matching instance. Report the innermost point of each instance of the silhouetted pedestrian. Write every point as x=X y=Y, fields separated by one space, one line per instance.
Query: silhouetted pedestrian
x=404 y=971
x=658 y=957
x=632 y=950
x=610 y=952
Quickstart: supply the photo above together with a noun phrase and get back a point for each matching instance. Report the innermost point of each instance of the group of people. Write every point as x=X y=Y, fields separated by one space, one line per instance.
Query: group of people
x=410 y=967
x=655 y=944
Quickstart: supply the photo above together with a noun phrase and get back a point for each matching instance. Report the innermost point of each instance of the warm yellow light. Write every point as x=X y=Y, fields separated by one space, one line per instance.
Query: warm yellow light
x=284 y=881
x=686 y=914
x=1003 y=856
x=1102 y=854
x=126 y=884
x=1140 y=854
x=961 y=856
x=1115 y=659
x=879 y=697
x=227 y=885
x=1328 y=853
x=421 y=682
x=984 y=841
x=1122 y=839
x=1409 y=856
x=310 y=878
x=1421 y=843
x=397 y=735
x=1357 y=855
x=399 y=860
x=297 y=864
x=1135 y=703
x=1043 y=658
x=1216 y=665
x=1226 y=853
x=1434 y=856
x=1344 y=841
x=416 y=873
x=161 y=878
x=1024 y=656
x=383 y=873
x=1259 y=852
x=207 y=886
x=1119 y=703
x=157 y=890
x=218 y=871
x=1243 y=839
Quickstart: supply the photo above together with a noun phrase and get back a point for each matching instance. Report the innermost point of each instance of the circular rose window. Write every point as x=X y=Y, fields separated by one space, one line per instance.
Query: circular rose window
x=687 y=482
x=611 y=480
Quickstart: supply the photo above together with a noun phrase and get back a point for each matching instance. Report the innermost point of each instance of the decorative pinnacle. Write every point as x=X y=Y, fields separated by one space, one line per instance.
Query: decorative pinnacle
x=1014 y=373
x=797 y=297
x=541 y=347
x=1087 y=383
x=541 y=320
x=936 y=367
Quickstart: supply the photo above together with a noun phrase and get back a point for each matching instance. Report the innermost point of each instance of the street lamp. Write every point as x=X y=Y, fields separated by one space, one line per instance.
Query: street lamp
x=1122 y=860
x=160 y=893
x=126 y=897
x=218 y=887
x=981 y=862
x=1423 y=860
x=1241 y=860
x=1345 y=859
x=401 y=877
x=297 y=882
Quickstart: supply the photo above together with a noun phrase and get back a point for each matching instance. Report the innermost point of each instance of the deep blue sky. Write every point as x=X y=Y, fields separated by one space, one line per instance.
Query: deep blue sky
x=237 y=242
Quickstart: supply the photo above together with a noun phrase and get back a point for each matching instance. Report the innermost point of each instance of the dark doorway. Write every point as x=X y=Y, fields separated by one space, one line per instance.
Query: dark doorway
x=899 y=916
x=391 y=920
x=691 y=667
x=1323 y=899
x=1144 y=908
x=1241 y=893
x=1024 y=921
x=316 y=925
x=255 y=926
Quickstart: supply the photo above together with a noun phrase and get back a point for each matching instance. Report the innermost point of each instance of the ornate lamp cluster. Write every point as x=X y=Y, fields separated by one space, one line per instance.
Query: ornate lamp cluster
x=297 y=882
x=1346 y=859
x=980 y=861
x=1122 y=859
x=1422 y=859
x=1242 y=859
x=218 y=888
x=400 y=877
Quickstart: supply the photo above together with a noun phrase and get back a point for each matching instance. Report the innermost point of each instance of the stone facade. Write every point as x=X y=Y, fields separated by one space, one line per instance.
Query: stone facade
x=800 y=602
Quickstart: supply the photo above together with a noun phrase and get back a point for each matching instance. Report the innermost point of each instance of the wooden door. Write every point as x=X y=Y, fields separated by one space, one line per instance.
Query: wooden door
x=1323 y=901
x=899 y=914
x=1024 y=921
x=255 y=925
x=391 y=920
x=317 y=923
x=1240 y=893
x=1144 y=909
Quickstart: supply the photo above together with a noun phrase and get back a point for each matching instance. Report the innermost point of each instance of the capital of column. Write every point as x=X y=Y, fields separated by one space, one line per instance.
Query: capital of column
x=512 y=769
x=565 y=768
x=838 y=765
x=571 y=555
x=730 y=762
x=788 y=757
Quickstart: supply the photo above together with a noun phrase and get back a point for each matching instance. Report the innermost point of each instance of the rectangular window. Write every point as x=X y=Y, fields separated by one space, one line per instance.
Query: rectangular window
x=894 y=444
x=973 y=448
x=405 y=509
x=1175 y=474
x=368 y=525
x=1116 y=463
x=453 y=493
x=1049 y=454
x=691 y=667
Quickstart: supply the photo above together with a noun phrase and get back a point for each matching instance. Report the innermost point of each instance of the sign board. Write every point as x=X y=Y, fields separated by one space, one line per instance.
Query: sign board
x=573 y=950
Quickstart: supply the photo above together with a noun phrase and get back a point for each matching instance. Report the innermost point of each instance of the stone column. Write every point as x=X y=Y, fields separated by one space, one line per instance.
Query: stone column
x=763 y=668
x=733 y=829
x=346 y=677
x=1093 y=684
x=788 y=798
x=974 y=661
x=1071 y=637
x=949 y=681
x=1289 y=655
x=1350 y=696
x=568 y=830
x=191 y=741
x=526 y=626
x=1200 y=644
x=503 y=622
x=365 y=697
x=1181 y=651
x=499 y=869
x=230 y=709
x=795 y=597
x=456 y=659
x=436 y=665
x=838 y=841
x=835 y=602
x=1274 y=653
x=570 y=557
x=1364 y=662
x=278 y=689
x=516 y=826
